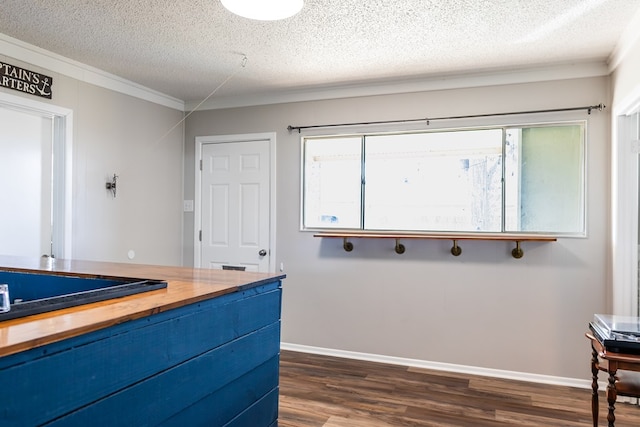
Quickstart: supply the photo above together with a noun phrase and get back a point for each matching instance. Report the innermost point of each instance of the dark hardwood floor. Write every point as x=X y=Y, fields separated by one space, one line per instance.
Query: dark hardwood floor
x=322 y=391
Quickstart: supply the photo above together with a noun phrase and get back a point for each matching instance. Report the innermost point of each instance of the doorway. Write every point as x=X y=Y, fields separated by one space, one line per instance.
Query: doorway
x=234 y=205
x=625 y=209
x=35 y=142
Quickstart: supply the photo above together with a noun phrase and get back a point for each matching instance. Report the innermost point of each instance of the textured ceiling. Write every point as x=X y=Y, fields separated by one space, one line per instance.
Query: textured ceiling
x=187 y=48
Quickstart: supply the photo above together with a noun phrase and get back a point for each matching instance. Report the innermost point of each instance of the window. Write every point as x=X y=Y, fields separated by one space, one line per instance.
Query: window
x=503 y=179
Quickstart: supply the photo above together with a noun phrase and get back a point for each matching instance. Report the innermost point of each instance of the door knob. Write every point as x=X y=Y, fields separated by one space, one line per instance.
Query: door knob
x=262 y=252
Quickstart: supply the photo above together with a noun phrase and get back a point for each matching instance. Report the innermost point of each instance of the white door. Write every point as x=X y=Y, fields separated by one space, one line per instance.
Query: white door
x=26 y=176
x=235 y=205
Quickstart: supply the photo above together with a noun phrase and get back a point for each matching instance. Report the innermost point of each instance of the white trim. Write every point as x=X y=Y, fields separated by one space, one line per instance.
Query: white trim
x=624 y=209
x=31 y=54
x=63 y=146
x=197 y=218
x=439 y=366
x=31 y=104
x=629 y=105
x=197 y=204
x=65 y=200
x=439 y=82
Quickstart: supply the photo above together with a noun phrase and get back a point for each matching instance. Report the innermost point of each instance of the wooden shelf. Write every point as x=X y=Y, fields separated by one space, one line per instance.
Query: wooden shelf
x=517 y=252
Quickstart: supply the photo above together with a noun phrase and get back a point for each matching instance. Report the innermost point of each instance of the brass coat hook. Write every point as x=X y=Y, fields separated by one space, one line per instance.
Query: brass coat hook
x=517 y=252
x=456 y=250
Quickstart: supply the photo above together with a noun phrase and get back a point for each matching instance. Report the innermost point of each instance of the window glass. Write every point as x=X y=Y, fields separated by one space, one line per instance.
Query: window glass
x=504 y=179
x=437 y=181
x=332 y=182
x=544 y=179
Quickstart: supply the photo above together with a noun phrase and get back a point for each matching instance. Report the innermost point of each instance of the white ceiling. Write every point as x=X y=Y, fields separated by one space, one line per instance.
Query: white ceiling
x=188 y=48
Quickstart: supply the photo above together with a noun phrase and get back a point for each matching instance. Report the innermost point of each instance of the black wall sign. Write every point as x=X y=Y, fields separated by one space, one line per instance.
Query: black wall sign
x=26 y=81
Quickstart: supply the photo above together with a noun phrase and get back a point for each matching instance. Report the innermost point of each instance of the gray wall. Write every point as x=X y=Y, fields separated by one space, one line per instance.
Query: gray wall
x=117 y=133
x=483 y=308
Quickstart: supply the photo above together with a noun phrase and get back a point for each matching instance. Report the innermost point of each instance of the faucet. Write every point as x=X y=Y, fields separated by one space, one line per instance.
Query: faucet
x=5 y=304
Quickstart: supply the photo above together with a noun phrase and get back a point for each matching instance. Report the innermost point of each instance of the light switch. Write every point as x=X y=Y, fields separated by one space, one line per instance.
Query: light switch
x=188 y=206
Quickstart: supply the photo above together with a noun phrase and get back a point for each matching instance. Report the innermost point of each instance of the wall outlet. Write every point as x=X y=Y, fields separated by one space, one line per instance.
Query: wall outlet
x=188 y=206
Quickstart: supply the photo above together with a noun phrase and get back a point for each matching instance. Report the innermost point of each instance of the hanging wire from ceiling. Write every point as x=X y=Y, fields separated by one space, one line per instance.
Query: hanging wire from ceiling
x=243 y=64
x=111 y=185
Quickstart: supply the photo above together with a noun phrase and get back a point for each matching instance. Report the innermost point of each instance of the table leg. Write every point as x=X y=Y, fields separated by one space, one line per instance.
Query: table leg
x=594 y=387
x=612 y=394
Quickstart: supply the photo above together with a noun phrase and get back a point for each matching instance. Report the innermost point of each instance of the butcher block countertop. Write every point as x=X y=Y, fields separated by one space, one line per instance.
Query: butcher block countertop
x=184 y=286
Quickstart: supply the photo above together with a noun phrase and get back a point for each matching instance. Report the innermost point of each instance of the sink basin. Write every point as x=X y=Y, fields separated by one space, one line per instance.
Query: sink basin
x=33 y=293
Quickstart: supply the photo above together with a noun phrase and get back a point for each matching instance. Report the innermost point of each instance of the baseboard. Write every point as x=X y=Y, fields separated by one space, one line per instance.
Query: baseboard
x=448 y=367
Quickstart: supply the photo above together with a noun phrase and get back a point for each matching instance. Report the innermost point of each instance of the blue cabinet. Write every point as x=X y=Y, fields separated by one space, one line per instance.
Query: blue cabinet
x=211 y=363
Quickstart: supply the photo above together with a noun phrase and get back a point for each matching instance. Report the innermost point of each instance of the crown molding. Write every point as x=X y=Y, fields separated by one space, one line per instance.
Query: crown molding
x=430 y=83
x=25 y=52
x=31 y=54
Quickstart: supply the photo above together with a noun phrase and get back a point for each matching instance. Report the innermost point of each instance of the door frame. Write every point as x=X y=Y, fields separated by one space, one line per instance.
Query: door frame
x=197 y=208
x=624 y=208
x=62 y=171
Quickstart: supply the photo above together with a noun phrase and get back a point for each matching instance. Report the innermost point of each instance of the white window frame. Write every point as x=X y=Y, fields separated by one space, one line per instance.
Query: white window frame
x=506 y=125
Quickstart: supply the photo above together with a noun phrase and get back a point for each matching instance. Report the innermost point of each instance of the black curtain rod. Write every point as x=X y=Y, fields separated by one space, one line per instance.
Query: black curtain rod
x=427 y=120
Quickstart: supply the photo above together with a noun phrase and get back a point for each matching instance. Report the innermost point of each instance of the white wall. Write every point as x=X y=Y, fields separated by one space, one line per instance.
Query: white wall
x=625 y=80
x=25 y=162
x=483 y=308
x=116 y=133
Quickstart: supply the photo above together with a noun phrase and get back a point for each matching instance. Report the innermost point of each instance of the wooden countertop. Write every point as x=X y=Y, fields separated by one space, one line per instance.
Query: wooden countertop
x=184 y=286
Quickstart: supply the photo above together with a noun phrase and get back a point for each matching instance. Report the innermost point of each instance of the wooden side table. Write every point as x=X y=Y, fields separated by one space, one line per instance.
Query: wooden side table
x=624 y=377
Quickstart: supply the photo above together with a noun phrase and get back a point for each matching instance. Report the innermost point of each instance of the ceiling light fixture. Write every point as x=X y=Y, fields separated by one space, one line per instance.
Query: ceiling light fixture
x=264 y=10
